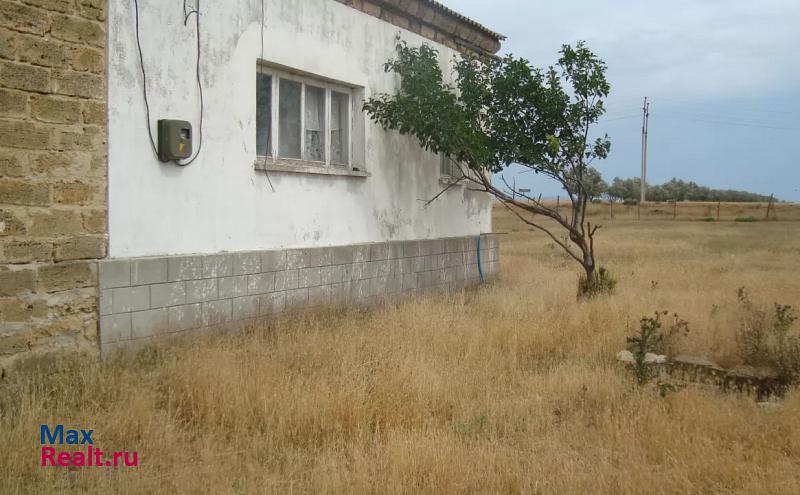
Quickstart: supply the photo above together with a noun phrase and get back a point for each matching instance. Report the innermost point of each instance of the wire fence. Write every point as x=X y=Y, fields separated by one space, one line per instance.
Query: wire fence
x=685 y=211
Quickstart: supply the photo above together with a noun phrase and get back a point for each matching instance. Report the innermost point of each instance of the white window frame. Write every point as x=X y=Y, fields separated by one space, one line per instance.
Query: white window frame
x=276 y=76
x=446 y=175
x=446 y=167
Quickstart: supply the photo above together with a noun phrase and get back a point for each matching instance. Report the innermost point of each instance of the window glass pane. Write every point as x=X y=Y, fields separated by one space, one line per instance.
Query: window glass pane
x=449 y=167
x=315 y=124
x=340 y=128
x=289 y=119
x=263 y=114
x=444 y=167
x=455 y=170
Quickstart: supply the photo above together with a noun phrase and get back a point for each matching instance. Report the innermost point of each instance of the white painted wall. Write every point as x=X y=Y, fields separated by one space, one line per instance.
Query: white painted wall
x=220 y=203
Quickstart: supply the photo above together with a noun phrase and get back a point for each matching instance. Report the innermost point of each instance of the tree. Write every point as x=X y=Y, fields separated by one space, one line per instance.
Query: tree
x=679 y=190
x=625 y=189
x=502 y=111
x=593 y=183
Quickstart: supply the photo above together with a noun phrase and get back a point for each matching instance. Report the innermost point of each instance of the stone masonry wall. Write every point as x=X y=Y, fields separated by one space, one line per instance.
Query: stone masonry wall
x=430 y=21
x=52 y=172
x=144 y=299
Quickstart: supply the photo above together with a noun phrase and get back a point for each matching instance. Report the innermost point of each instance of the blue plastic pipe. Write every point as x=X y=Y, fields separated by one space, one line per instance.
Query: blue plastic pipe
x=480 y=266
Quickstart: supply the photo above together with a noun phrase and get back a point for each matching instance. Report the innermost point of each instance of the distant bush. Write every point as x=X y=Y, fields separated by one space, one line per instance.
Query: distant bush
x=630 y=202
x=746 y=219
x=708 y=219
x=679 y=190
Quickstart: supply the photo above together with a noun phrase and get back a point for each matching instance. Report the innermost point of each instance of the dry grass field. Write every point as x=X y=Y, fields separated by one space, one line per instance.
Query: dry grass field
x=510 y=388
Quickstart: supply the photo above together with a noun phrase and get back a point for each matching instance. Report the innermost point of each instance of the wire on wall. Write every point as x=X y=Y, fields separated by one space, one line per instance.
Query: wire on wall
x=263 y=20
x=186 y=15
x=196 y=13
x=144 y=79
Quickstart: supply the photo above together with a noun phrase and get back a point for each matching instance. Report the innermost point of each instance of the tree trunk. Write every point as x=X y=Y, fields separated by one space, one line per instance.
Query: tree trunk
x=588 y=264
x=590 y=272
x=590 y=285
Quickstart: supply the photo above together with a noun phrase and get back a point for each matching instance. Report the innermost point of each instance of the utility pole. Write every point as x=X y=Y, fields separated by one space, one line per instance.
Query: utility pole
x=645 y=122
x=769 y=205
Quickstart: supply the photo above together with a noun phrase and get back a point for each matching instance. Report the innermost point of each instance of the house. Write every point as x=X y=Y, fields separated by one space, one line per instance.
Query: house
x=276 y=192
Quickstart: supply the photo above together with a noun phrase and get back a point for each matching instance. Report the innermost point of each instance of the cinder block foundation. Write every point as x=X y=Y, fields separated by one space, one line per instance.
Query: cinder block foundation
x=144 y=299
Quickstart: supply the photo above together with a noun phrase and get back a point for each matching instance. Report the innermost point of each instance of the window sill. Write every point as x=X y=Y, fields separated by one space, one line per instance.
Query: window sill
x=305 y=167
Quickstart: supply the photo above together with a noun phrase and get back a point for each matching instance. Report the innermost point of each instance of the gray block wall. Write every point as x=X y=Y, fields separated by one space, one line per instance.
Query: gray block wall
x=147 y=298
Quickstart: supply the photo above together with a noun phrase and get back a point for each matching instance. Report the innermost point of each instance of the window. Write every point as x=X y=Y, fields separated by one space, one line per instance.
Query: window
x=314 y=120
x=451 y=171
x=449 y=168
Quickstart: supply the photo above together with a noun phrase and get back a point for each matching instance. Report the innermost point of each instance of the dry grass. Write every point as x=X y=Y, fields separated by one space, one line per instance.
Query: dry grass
x=512 y=388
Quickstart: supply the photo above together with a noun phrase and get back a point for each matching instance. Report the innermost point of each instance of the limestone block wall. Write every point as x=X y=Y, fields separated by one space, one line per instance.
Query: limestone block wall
x=52 y=172
x=143 y=299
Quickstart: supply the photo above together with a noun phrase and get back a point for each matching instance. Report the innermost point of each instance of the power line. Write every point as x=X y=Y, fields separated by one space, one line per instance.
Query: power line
x=701 y=118
x=708 y=118
x=619 y=118
x=740 y=117
x=617 y=111
x=736 y=124
x=747 y=109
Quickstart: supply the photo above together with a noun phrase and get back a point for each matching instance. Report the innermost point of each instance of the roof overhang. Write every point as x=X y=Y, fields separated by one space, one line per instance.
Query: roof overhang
x=434 y=21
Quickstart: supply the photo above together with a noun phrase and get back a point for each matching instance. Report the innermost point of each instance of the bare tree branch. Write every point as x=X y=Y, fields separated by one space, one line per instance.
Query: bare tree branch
x=428 y=202
x=529 y=198
x=564 y=246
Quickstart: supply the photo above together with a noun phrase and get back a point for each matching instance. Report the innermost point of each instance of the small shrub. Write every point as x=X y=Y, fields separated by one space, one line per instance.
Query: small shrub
x=746 y=219
x=602 y=283
x=654 y=338
x=708 y=219
x=629 y=202
x=767 y=339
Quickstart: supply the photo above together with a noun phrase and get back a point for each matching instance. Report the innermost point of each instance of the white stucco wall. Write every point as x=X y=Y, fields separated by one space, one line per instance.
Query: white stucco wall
x=220 y=203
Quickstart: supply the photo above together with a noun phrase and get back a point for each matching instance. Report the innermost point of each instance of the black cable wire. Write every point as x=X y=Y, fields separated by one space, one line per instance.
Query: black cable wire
x=266 y=172
x=144 y=79
x=263 y=15
x=199 y=83
x=187 y=14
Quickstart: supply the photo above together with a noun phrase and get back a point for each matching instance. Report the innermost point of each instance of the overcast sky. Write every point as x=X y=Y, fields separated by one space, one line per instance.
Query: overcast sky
x=723 y=77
